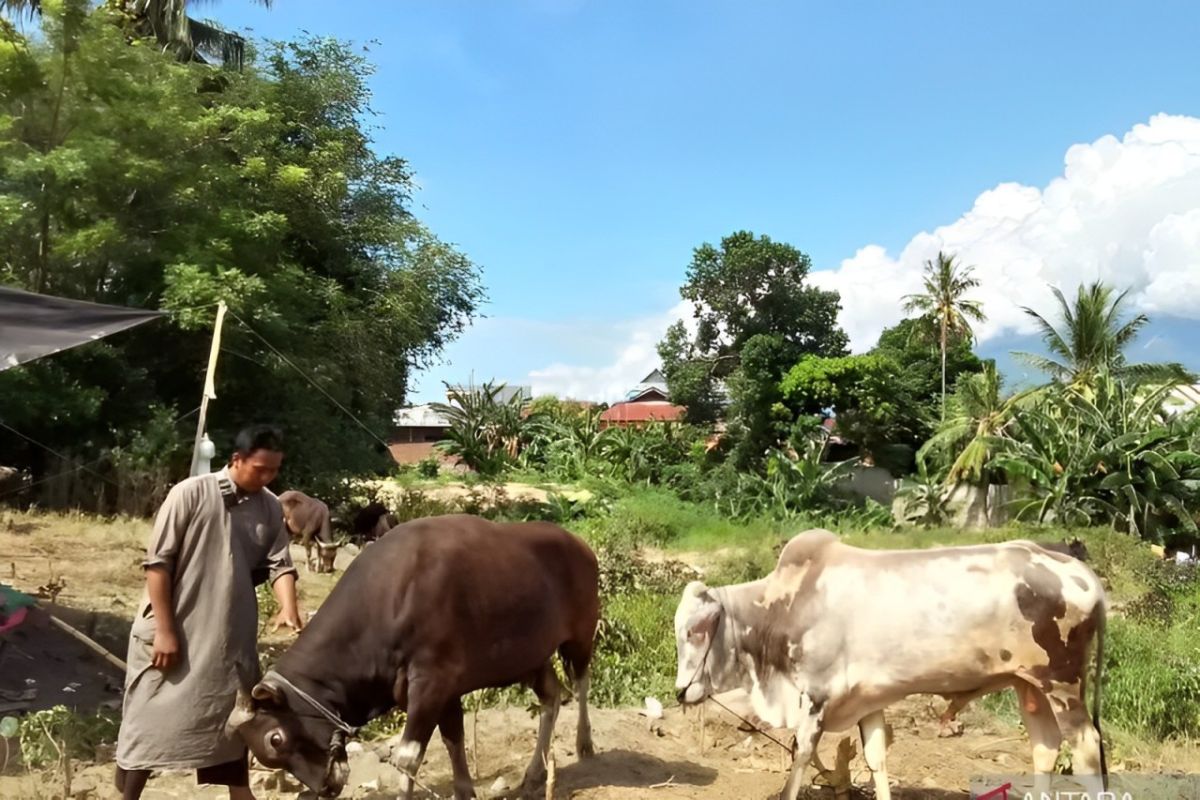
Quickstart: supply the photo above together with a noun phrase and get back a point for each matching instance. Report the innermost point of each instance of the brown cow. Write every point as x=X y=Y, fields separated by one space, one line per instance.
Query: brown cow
x=307 y=520
x=442 y=607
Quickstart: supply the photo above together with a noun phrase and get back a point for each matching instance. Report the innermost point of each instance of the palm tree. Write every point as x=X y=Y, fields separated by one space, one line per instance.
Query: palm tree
x=1092 y=338
x=168 y=22
x=942 y=304
x=980 y=417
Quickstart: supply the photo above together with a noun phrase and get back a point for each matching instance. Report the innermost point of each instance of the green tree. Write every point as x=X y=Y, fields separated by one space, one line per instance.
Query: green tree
x=944 y=308
x=128 y=177
x=165 y=21
x=750 y=289
x=979 y=415
x=1091 y=338
x=864 y=390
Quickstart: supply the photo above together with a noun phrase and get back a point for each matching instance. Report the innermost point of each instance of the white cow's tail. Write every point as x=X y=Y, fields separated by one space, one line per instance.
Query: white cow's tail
x=1097 y=691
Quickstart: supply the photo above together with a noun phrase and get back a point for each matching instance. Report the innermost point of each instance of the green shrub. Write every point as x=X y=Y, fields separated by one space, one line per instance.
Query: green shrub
x=635 y=649
x=1152 y=679
x=428 y=467
x=48 y=735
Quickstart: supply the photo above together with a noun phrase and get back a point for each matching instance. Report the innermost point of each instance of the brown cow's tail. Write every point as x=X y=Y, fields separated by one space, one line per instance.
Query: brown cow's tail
x=1097 y=691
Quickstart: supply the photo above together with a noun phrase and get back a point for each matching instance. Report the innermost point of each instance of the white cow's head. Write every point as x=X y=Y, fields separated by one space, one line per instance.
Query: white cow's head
x=697 y=623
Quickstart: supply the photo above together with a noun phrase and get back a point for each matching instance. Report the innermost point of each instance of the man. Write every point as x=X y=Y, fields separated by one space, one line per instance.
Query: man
x=194 y=640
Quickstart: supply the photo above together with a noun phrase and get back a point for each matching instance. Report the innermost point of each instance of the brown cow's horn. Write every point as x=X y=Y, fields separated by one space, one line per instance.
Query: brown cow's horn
x=243 y=712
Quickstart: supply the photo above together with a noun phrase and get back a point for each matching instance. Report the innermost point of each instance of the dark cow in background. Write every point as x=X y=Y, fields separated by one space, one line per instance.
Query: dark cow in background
x=442 y=607
x=307 y=520
x=373 y=521
x=835 y=634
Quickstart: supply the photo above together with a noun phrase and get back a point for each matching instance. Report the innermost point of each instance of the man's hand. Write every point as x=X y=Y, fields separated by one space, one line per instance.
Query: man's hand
x=289 y=618
x=166 y=649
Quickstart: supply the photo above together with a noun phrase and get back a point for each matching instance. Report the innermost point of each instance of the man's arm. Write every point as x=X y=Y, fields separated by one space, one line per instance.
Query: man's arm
x=166 y=642
x=170 y=526
x=289 y=607
x=283 y=579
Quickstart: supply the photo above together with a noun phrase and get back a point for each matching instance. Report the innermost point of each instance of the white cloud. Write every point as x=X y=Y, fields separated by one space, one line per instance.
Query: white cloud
x=1124 y=211
x=637 y=357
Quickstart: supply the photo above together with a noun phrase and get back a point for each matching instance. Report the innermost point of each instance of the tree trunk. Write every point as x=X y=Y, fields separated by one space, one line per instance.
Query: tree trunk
x=943 y=369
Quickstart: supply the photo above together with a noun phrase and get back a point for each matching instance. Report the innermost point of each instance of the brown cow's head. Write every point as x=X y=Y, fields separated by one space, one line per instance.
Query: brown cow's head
x=696 y=621
x=285 y=733
x=327 y=553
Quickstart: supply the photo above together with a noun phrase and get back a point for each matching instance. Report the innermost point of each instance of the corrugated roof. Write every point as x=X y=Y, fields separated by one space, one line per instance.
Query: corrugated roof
x=645 y=411
x=423 y=416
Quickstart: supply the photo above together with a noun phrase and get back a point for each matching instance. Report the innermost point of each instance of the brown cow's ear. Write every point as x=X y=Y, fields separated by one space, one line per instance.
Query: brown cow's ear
x=265 y=692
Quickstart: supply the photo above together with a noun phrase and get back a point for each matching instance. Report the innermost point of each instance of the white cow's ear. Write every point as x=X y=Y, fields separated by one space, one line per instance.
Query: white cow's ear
x=704 y=621
x=695 y=589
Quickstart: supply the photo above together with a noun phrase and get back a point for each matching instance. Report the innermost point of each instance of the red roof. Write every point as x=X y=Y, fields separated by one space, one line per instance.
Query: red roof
x=646 y=411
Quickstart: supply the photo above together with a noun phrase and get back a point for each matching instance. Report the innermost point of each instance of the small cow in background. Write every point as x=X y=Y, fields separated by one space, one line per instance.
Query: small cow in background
x=373 y=521
x=307 y=520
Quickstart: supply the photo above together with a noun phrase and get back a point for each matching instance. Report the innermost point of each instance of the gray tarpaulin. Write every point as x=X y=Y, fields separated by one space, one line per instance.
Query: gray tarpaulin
x=36 y=325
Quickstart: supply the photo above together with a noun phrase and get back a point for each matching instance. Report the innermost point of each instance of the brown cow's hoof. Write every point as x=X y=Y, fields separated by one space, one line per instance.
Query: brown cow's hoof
x=585 y=749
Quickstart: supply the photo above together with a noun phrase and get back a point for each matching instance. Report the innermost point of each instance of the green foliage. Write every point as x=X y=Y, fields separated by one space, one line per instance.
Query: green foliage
x=945 y=313
x=53 y=734
x=428 y=468
x=485 y=431
x=1091 y=338
x=926 y=498
x=756 y=315
x=863 y=389
x=128 y=177
x=1106 y=454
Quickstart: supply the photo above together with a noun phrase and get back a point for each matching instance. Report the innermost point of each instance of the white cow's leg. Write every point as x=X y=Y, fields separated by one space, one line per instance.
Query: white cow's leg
x=583 y=732
x=808 y=732
x=545 y=685
x=874 y=739
x=1044 y=735
x=1077 y=728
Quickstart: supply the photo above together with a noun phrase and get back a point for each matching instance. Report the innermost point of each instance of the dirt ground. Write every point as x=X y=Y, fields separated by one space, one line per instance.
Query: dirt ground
x=635 y=759
x=98 y=563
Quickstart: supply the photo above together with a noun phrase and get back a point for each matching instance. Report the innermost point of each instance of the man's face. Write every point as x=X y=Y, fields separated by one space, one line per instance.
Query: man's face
x=254 y=471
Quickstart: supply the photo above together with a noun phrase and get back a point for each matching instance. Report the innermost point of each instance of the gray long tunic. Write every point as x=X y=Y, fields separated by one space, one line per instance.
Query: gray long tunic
x=212 y=538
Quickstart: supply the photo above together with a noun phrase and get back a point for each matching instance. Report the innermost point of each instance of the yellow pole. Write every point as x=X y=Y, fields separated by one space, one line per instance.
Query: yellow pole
x=210 y=389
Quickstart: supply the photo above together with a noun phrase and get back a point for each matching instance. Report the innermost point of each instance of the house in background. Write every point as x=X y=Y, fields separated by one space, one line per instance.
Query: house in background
x=415 y=431
x=647 y=402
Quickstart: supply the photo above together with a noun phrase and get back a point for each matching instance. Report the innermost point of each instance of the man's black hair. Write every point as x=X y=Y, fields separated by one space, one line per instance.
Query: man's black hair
x=258 y=437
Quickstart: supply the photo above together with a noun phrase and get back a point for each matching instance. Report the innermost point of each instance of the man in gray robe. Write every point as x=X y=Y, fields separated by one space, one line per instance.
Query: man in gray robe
x=194 y=640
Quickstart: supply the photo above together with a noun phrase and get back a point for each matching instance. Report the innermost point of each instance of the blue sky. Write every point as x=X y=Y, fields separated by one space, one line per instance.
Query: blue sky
x=579 y=150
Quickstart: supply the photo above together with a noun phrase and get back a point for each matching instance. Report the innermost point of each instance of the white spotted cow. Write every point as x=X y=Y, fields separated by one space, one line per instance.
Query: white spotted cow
x=835 y=634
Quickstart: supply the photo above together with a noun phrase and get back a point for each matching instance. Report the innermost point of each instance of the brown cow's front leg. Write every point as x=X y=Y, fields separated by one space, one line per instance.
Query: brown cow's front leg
x=451 y=726
x=410 y=752
x=545 y=685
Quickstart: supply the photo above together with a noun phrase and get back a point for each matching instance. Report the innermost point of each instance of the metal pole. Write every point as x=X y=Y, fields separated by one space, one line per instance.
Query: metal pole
x=210 y=391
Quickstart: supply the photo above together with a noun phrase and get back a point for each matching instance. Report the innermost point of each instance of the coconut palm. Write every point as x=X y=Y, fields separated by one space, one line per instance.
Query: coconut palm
x=944 y=307
x=1091 y=338
x=168 y=22
x=979 y=416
